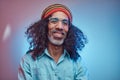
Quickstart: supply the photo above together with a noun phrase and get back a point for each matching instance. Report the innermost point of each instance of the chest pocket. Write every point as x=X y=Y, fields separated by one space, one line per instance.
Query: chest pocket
x=71 y=72
x=39 y=74
x=68 y=73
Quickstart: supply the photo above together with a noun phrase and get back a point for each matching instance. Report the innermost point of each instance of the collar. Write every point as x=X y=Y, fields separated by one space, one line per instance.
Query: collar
x=65 y=53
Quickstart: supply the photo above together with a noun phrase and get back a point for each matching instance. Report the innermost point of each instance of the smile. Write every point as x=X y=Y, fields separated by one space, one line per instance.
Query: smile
x=58 y=35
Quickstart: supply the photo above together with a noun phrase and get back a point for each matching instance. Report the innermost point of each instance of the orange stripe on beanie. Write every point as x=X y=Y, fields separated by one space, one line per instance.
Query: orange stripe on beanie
x=54 y=8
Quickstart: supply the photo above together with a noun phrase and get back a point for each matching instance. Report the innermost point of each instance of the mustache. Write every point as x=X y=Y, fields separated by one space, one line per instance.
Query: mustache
x=59 y=31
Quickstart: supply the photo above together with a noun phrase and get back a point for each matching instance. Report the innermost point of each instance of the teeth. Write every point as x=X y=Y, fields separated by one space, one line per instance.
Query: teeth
x=59 y=32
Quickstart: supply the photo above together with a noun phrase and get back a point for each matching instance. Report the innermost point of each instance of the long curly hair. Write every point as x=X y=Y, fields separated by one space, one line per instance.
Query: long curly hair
x=38 y=39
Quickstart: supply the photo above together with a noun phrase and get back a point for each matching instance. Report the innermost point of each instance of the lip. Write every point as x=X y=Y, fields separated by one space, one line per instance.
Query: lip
x=58 y=35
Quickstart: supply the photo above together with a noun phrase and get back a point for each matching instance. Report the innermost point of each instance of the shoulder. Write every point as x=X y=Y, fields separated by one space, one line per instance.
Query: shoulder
x=80 y=63
x=27 y=57
x=81 y=71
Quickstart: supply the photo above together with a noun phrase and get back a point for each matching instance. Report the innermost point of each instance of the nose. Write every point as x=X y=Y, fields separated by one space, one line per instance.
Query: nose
x=59 y=25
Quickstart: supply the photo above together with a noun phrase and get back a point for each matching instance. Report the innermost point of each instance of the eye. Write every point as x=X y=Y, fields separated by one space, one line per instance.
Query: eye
x=53 y=20
x=65 y=22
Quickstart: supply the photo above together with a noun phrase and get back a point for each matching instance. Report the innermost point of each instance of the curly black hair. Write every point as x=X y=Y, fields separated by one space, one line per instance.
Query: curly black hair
x=37 y=37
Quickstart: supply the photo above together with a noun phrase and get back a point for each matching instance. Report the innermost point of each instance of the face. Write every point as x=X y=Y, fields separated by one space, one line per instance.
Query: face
x=58 y=28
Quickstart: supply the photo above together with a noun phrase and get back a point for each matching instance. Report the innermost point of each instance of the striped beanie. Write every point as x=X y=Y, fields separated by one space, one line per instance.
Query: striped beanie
x=54 y=8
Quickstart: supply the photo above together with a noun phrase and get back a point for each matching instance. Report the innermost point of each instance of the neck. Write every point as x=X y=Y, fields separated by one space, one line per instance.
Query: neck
x=55 y=51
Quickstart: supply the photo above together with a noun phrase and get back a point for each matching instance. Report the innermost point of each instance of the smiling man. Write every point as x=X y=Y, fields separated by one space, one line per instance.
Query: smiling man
x=58 y=27
x=54 y=45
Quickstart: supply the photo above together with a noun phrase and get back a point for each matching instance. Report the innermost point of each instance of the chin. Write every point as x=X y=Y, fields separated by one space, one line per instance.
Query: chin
x=56 y=42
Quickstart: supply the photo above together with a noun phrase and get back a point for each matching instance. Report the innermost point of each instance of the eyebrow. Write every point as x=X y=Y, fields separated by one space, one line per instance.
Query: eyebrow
x=60 y=18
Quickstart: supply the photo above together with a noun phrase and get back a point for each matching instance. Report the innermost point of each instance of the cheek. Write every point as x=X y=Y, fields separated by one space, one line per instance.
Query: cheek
x=66 y=29
x=49 y=29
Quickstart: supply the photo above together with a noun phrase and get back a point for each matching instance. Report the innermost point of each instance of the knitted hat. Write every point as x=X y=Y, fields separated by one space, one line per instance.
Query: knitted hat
x=54 y=8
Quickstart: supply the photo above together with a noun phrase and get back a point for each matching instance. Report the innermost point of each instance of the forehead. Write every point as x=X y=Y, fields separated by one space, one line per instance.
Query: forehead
x=60 y=14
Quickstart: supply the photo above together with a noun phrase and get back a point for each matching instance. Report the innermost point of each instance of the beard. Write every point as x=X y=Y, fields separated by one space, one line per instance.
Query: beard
x=54 y=39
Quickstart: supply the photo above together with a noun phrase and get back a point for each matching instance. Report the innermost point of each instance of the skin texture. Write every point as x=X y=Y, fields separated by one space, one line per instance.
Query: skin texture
x=57 y=33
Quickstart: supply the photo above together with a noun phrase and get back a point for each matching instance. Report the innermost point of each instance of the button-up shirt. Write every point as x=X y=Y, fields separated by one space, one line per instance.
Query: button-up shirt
x=45 y=68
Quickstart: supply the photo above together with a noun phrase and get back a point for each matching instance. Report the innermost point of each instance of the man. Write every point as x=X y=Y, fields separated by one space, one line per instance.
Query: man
x=54 y=45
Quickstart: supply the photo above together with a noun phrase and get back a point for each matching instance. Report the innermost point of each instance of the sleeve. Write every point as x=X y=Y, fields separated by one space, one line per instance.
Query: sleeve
x=81 y=70
x=24 y=69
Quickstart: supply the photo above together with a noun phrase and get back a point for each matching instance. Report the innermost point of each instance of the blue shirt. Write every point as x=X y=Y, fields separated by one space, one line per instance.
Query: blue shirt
x=45 y=68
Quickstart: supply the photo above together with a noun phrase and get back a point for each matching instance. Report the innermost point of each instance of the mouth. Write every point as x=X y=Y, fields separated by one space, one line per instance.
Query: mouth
x=58 y=34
